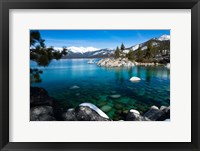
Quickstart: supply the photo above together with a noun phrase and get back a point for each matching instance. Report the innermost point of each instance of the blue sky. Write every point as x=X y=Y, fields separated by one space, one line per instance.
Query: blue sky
x=98 y=38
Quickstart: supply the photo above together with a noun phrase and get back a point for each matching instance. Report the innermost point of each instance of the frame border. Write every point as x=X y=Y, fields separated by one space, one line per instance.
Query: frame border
x=5 y=5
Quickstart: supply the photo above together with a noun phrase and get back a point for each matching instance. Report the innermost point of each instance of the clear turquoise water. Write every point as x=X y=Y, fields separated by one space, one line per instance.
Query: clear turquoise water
x=97 y=83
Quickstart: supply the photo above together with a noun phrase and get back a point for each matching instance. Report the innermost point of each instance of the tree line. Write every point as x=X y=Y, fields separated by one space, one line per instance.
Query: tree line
x=139 y=55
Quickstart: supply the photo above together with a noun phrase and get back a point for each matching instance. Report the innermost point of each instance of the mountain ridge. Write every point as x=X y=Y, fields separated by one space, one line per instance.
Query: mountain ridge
x=161 y=42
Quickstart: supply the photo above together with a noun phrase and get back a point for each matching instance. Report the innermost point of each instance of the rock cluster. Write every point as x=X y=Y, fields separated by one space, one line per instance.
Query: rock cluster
x=42 y=113
x=43 y=107
x=122 y=62
x=111 y=62
x=153 y=114
x=146 y=64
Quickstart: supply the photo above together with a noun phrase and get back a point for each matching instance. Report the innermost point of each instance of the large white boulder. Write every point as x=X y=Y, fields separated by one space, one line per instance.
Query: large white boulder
x=134 y=79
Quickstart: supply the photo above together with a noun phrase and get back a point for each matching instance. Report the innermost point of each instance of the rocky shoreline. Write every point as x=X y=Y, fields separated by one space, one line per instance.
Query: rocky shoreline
x=122 y=62
x=45 y=108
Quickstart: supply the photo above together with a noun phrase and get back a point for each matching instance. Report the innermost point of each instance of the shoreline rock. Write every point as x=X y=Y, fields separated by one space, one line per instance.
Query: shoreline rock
x=95 y=108
x=111 y=62
x=156 y=114
x=43 y=107
x=42 y=113
x=153 y=114
x=85 y=112
x=123 y=62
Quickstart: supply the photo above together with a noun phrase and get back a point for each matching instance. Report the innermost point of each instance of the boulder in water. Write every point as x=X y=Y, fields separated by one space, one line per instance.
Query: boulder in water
x=118 y=106
x=115 y=96
x=133 y=79
x=74 y=87
x=106 y=108
x=40 y=97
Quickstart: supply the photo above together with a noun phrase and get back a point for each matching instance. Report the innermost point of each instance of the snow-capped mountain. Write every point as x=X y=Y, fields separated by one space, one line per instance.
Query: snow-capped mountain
x=161 y=43
x=82 y=49
x=158 y=42
x=160 y=48
x=135 y=47
x=82 y=52
x=163 y=38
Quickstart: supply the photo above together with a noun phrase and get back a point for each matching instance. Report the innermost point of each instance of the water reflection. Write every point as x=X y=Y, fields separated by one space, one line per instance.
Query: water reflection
x=119 y=75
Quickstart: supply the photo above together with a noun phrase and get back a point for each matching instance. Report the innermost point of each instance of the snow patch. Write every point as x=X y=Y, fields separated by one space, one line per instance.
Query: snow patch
x=135 y=47
x=143 y=48
x=154 y=44
x=134 y=111
x=126 y=51
x=164 y=38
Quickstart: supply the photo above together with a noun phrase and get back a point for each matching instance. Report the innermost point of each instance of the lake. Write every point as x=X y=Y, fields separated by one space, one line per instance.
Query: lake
x=96 y=85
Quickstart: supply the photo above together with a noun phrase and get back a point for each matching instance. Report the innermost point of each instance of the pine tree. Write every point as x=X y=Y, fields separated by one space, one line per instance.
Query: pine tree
x=139 y=55
x=149 y=51
x=122 y=47
x=131 y=55
x=41 y=55
x=117 y=52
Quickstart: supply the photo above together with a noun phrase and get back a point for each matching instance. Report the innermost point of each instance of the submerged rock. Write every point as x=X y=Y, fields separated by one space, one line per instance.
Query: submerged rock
x=39 y=96
x=77 y=94
x=102 y=103
x=115 y=96
x=133 y=79
x=106 y=108
x=74 y=87
x=118 y=106
x=113 y=92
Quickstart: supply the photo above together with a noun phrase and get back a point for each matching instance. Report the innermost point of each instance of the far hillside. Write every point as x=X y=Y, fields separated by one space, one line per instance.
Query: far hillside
x=155 y=50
